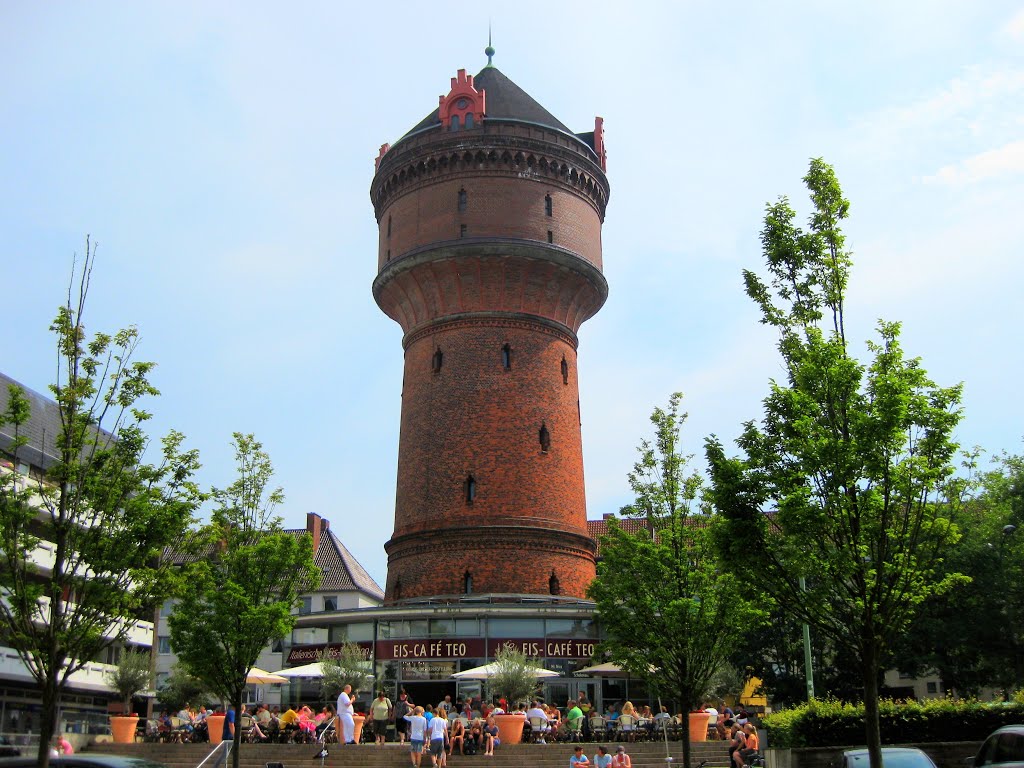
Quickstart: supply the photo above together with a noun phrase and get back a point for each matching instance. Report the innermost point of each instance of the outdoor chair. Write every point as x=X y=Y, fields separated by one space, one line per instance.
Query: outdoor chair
x=574 y=729
x=538 y=726
x=713 y=727
x=598 y=728
x=626 y=727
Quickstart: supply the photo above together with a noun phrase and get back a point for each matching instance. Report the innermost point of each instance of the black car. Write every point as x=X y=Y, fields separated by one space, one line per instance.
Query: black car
x=1004 y=747
x=86 y=760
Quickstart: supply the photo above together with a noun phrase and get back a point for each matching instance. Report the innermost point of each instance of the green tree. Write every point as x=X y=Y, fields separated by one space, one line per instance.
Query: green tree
x=130 y=677
x=242 y=590
x=106 y=514
x=971 y=637
x=848 y=481
x=181 y=688
x=670 y=613
x=347 y=667
x=514 y=677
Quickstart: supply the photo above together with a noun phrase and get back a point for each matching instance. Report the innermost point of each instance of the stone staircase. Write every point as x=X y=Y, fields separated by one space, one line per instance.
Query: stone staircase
x=643 y=754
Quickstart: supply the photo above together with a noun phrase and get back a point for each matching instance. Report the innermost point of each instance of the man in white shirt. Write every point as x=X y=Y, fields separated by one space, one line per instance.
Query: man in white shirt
x=538 y=719
x=348 y=725
x=417 y=728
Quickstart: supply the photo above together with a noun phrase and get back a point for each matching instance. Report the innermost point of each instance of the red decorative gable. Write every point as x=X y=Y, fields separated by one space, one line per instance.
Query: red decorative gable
x=599 y=142
x=464 y=106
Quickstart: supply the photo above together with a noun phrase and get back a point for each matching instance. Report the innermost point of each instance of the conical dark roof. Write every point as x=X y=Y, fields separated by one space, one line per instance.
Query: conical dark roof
x=505 y=100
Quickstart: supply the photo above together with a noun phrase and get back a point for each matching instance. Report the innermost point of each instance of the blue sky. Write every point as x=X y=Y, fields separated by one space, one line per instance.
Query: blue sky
x=221 y=155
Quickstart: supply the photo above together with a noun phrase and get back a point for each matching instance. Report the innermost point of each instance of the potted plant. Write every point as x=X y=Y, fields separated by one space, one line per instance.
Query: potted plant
x=515 y=679
x=347 y=667
x=128 y=678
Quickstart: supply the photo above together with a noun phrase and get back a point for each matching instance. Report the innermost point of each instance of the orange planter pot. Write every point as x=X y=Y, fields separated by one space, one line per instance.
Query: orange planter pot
x=123 y=728
x=357 y=732
x=699 y=726
x=510 y=728
x=215 y=723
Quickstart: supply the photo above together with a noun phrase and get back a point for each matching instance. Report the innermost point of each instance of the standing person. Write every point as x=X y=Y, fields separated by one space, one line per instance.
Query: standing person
x=402 y=709
x=438 y=733
x=417 y=728
x=621 y=759
x=345 y=711
x=229 y=725
x=578 y=758
x=382 y=710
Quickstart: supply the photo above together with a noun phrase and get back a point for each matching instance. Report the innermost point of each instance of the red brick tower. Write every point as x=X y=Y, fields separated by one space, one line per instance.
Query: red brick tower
x=490 y=214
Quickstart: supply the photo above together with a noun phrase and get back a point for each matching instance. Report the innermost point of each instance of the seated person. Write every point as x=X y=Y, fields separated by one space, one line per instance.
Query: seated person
x=578 y=758
x=602 y=759
x=621 y=759
x=490 y=737
x=458 y=736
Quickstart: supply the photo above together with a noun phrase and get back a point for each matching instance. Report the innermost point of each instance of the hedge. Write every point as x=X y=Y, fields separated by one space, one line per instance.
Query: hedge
x=830 y=723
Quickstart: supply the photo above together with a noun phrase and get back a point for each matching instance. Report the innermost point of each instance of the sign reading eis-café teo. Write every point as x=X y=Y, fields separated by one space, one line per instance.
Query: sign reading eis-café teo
x=467 y=648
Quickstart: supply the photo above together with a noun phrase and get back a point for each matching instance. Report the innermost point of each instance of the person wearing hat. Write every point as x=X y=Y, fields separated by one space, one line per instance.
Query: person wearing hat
x=578 y=758
x=621 y=759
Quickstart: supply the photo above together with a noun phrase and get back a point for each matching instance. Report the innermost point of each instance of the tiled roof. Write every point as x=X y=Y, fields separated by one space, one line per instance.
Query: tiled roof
x=599 y=528
x=505 y=100
x=42 y=428
x=341 y=570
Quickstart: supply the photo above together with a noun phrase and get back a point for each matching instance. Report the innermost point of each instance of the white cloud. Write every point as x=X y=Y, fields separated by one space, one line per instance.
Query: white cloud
x=1006 y=160
x=1014 y=28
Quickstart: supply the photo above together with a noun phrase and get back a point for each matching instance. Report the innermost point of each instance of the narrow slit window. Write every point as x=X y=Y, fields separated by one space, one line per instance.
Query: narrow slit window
x=554 y=587
x=506 y=357
x=463 y=200
x=551 y=236
x=545 y=438
x=467 y=583
x=470 y=489
x=389 y=254
x=565 y=370
x=549 y=205
x=462 y=230
x=437 y=360
x=389 y=226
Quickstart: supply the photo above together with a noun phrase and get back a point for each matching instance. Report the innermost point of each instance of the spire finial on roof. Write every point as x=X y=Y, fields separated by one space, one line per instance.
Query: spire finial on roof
x=489 y=50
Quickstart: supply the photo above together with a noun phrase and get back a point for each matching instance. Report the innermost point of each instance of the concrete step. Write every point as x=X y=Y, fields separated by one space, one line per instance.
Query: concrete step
x=643 y=754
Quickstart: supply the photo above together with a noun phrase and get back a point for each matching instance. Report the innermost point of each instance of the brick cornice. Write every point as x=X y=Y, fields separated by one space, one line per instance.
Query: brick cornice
x=492 y=320
x=505 y=537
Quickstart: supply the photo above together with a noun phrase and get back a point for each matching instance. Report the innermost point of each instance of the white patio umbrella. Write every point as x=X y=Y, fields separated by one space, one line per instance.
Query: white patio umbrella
x=306 y=670
x=259 y=676
x=487 y=671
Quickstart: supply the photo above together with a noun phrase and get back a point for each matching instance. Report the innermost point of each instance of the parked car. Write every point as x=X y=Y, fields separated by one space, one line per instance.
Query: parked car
x=7 y=749
x=892 y=757
x=85 y=760
x=1003 y=747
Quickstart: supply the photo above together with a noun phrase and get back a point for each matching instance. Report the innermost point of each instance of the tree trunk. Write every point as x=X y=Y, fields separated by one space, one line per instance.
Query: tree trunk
x=238 y=728
x=47 y=724
x=684 y=700
x=872 y=727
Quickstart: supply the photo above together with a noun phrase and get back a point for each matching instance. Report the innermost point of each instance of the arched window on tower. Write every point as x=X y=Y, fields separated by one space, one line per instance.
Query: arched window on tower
x=437 y=360
x=455 y=123
x=463 y=200
x=565 y=370
x=506 y=357
x=467 y=583
x=545 y=437
x=470 y=489
x=553 y=586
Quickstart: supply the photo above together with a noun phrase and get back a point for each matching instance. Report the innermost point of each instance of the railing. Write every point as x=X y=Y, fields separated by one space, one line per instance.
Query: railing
x=220 y=760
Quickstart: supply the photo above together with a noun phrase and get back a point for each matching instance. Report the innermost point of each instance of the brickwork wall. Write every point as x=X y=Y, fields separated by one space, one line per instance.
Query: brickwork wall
x=495 y=207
